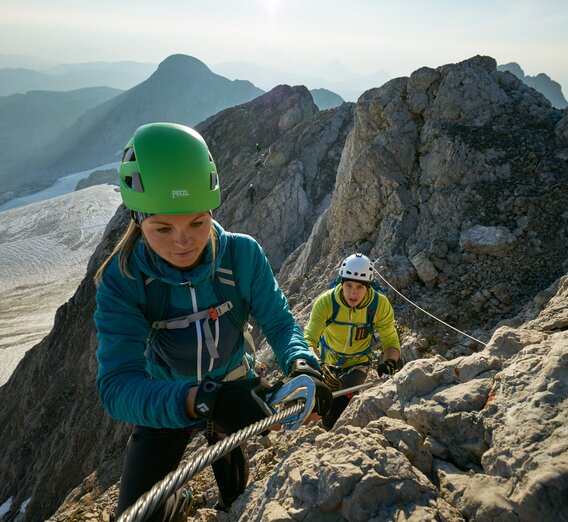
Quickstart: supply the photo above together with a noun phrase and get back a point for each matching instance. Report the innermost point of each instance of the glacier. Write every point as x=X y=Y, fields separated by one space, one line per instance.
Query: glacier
x=44 y=250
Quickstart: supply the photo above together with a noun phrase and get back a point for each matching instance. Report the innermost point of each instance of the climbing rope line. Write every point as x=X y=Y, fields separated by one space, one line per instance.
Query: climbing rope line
x=157 y=495
x=425 y=311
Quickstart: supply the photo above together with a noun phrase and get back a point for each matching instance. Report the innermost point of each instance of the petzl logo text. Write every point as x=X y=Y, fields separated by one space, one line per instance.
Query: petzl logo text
x=181 y=193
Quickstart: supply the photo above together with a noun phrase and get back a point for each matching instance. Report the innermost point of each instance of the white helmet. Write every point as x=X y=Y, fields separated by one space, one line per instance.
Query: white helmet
x=357 y=267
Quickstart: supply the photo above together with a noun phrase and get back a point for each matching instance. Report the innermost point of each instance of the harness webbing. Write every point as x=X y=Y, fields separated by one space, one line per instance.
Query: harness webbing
x=185 y=320
x=371 y=312
x=227 y=291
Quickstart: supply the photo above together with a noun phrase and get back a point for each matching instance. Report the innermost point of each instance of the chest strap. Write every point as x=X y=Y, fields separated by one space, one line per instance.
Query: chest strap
x=184 y=321
x=341 y=357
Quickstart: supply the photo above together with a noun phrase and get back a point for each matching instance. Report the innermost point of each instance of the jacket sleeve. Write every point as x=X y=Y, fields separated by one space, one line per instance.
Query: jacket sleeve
x=321 y=312
x=384 y=324
x=126 y=390
x=270 y=308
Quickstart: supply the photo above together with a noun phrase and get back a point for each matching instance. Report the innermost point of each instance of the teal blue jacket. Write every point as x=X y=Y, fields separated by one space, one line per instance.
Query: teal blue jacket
x=144 y=379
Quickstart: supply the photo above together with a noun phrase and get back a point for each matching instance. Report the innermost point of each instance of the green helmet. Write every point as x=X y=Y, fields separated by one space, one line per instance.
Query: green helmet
x=166 y=168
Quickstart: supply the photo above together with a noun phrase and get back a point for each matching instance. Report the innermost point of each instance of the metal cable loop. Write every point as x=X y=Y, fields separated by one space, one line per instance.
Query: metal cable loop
x=151 y=500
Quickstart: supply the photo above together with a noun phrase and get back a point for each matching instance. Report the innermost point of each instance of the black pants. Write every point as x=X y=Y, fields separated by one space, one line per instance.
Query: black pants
x=153 y=453
x=351 y=377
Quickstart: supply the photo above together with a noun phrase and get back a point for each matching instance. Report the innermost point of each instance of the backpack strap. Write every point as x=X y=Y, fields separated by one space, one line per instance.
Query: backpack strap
x=371 y=313
x=334 y=309
x=157 y=299
x=226 y=288
x=370 y=324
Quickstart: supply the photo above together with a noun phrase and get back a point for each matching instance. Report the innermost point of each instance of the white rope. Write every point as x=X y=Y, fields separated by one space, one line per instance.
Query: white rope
x=425 y=311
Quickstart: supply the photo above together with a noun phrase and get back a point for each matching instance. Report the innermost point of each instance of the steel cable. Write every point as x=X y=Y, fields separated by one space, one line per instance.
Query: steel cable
x=147 y=504
x=426 y=311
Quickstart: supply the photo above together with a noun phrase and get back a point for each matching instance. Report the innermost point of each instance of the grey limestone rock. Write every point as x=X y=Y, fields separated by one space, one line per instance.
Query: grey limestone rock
x=493 y=241
x=424 y=268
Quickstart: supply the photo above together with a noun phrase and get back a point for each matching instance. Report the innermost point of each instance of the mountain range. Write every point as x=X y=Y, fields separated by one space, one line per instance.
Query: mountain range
x=182 y=88
x=333 y=76
x=29 y=122
x=44 y=135
x=68 y=77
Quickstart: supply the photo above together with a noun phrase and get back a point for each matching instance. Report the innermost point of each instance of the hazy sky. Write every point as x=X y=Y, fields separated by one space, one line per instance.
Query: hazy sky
x=398 y=36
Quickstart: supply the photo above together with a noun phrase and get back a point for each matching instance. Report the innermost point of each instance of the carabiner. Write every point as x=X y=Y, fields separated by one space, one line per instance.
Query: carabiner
x=302 y=388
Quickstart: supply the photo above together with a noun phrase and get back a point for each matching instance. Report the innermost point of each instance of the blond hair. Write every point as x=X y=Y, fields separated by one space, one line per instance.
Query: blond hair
x=126 y=245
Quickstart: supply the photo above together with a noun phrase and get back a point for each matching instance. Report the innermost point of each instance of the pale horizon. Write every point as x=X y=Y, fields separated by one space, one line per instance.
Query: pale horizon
x=366 y=37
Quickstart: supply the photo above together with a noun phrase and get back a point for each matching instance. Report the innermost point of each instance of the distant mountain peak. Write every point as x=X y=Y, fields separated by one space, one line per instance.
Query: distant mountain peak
x=176 y=61
x=541 y=82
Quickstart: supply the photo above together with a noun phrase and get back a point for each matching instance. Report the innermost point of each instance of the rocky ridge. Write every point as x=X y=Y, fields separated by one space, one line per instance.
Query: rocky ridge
x=292 y=173
x=454 y=180
x=437 y=174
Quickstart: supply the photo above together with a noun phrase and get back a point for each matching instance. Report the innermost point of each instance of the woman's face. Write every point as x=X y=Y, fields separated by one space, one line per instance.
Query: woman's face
x=179 y=239
x=353 y=292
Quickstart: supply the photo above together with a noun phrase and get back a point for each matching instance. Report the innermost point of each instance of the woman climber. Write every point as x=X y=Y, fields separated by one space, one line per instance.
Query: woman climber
x=172 y=303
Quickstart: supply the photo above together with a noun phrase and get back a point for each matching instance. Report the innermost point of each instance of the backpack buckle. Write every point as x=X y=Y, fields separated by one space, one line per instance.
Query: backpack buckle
x=215 y=312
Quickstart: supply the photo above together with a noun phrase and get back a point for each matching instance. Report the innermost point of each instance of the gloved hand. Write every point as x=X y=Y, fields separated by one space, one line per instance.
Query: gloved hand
x=388 y=367
x=329 y=377
x=323 y=396
x=231 y=405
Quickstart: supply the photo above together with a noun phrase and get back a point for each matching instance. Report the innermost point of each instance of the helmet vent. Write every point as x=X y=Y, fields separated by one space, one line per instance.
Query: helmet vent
x=357 y=267
x=134 y=182
x=214 y=180
x=128 y=155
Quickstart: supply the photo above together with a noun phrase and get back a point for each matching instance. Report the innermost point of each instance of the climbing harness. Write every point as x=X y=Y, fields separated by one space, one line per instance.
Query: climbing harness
x=233 y=304
x=425 y=311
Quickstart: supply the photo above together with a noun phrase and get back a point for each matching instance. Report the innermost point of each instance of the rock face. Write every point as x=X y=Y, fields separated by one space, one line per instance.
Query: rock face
x=437 y=174
x=292 y=173
x=489 y=429
x=460 y=170
x=491 y=241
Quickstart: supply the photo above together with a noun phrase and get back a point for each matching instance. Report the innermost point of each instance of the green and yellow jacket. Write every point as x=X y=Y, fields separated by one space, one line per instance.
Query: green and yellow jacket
x=347 y=340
